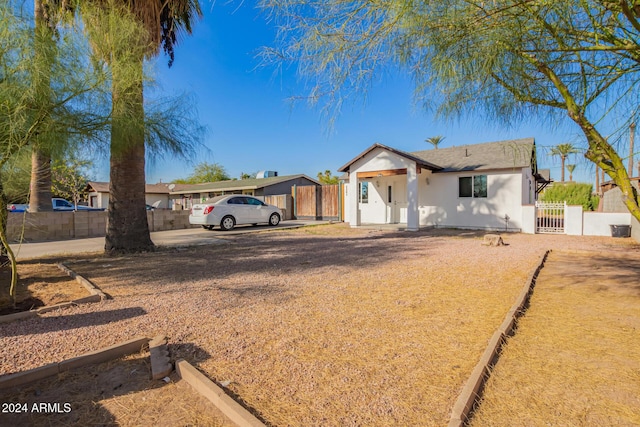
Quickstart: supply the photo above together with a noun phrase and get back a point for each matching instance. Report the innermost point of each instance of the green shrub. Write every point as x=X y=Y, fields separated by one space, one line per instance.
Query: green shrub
x=573 y=193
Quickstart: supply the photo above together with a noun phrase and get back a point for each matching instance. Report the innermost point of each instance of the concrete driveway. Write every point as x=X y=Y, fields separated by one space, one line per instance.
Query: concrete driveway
x=184 y=237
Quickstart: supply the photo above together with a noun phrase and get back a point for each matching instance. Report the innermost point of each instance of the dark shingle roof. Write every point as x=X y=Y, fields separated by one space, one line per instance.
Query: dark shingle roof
x=236 y=185
x=103 y=187
x=516 y=153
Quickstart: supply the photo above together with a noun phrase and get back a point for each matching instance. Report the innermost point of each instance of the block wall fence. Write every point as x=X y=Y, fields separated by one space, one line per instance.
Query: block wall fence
x=48 y=226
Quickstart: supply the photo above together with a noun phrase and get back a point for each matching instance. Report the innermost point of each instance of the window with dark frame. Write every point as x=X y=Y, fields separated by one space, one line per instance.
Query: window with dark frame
x=363 y=196
x=472 y=186
x=465 y=186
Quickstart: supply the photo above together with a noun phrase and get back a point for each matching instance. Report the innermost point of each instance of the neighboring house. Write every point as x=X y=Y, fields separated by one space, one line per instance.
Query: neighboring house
x=482 y=186
x=612 y=200
x=157 y=195
x=186 y=195
x=182 y=196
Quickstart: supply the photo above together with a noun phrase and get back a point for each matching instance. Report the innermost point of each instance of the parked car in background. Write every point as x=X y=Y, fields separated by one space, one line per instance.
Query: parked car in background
x=58 y=205
x=17 y=207
x=64 y=205
x=229 y=211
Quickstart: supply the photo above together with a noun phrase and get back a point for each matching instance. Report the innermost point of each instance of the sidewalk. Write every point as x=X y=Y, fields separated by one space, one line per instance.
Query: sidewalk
x=183 y=237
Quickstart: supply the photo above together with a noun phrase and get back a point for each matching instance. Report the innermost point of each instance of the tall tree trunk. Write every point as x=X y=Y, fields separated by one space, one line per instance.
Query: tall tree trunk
x=597 y=180
x=632 y=134
x=40 y=187
x=128 y=228
x=562 y=170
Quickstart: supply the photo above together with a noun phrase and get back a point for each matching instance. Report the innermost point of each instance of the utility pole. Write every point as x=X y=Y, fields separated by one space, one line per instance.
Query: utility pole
x=632 y=132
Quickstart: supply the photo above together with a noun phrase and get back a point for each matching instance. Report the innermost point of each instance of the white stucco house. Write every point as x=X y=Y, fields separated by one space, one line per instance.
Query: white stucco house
x=481 y=186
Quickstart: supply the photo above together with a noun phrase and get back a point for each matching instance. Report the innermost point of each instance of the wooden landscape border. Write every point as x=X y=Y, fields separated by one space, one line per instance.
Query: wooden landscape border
x=472 y=391
x=95 y=295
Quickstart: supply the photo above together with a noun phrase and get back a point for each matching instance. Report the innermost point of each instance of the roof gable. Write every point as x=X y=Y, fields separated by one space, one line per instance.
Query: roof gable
x=419 y=161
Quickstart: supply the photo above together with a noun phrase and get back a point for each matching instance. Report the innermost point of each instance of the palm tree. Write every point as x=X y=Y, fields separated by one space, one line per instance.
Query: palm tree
x=435 y=140
x=47 y=15
x=571 y=168
x=160 y=22
x=563 y=151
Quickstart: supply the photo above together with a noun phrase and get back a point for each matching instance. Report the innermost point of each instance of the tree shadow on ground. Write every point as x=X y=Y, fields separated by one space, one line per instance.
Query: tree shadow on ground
x=63 y=322
x=269 y=254
x=607 y=272
x=88 y=392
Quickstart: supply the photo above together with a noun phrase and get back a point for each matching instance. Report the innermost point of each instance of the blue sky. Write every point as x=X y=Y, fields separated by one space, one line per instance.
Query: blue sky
x=251 y=126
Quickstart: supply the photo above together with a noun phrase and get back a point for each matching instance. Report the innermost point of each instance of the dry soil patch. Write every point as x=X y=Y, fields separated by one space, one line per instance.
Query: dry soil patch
x=116 y=393
x=325 y=326
x=39 y=284
x=574 y=359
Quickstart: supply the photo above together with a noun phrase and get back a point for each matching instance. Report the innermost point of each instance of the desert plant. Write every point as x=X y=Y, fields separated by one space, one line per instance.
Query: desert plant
x=572 y=193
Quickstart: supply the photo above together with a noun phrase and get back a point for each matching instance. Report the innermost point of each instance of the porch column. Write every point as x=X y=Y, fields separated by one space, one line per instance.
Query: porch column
x=413 y=220
x=351 y=199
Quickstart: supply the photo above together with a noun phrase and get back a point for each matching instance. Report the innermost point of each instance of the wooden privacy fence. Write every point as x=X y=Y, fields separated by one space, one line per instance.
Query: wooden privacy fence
x=284 y=202
x=317 y=202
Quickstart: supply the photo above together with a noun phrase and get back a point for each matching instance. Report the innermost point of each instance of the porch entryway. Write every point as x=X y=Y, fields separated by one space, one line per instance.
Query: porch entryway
x=396 y=200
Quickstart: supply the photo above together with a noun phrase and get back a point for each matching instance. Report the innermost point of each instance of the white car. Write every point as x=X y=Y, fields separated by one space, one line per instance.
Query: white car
x=229 y=211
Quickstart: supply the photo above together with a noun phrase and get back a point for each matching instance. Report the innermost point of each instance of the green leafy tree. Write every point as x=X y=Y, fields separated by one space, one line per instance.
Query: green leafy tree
x=205 y=172
x=563 y=151
x=16 y=175
x=435 y=140
x=327 y=178
x=575 y=60
x=69 y=177
x=571 y=168
x=48 y=14
x=65 y=106
x=248 y=175
x=572 y=193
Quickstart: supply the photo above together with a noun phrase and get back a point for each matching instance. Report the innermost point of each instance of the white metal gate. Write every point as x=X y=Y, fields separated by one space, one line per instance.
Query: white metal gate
x=550 y=217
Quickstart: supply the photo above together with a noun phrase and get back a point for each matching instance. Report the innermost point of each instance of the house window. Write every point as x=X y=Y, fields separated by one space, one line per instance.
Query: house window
x=472 y=186
x=364 y=192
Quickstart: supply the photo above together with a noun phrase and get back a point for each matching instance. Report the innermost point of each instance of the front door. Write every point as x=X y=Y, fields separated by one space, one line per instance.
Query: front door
x=389 y=203
x=396 y=201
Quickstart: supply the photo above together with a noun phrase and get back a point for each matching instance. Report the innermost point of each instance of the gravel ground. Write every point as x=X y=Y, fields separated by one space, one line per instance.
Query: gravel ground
x=320 y=326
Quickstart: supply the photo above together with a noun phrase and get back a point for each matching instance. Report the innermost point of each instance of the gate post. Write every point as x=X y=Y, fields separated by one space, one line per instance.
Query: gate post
x=573 y=220
x=529 y=219
x=294 y=195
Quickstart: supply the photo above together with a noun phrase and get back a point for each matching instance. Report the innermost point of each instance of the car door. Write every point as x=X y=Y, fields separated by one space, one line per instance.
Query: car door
x=240 y=209
x=259 y=211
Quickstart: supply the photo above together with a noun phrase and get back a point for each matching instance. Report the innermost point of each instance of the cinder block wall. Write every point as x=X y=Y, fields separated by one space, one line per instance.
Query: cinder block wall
x=48 y=226
x=162 y=219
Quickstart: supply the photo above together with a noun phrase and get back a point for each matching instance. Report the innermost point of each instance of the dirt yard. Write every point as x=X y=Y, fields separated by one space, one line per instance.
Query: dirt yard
x=115 y=393
x=39 y=284
x=321 y=326
x=575 y=356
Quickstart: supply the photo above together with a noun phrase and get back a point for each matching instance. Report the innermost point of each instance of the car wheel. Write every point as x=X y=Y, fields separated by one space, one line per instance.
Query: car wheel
x=227 y=223
x=274 y=219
